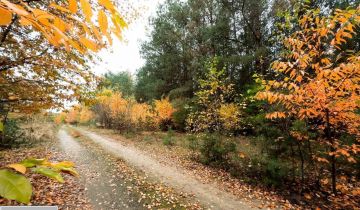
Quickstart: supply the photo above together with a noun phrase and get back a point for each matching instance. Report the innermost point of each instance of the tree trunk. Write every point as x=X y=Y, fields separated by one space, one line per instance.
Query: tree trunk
x=302 y=164
x=332 y=150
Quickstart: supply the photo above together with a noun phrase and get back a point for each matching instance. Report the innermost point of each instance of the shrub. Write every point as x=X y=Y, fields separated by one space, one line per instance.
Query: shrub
x=217 y=110
x=182 y=111
x=275 y=172
x=12 y=135
x=164 y=111
x=73 y=116
x=85 y=115
x=168 y=139
x=193 y=142
x=215 y=150
x=60 y=118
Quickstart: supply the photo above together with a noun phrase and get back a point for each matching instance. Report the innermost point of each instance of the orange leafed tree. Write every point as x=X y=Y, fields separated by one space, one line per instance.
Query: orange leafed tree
x=45 y=49
x=69 y=24
x=60 y=118
x=85 y=115
x=318 y=81
x=72 y=116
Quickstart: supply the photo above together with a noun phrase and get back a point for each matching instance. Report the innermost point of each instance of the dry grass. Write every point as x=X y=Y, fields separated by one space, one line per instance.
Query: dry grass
x=38 y=132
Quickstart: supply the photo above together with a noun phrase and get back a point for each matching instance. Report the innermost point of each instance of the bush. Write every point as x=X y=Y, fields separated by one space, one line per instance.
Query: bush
x=13 y=136
x=216 y=151
x=168 y=139
x=166 y=124
x=263 y=168
x=275 y=172
x=193 y=142
x=181 y=113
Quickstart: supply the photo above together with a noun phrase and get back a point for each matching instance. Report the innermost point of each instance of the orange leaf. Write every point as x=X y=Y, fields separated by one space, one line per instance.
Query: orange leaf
x=89 y=44
x=16 y=8
x=73 y=6
x=6 y=17
x=18 y=167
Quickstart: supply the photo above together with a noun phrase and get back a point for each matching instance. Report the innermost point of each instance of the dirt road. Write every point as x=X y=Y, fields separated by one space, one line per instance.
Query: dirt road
x=105 y=189
x=209 y=195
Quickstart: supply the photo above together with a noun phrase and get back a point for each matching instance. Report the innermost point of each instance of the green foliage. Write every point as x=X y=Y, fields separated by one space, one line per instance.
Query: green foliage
x=31 y=162
x=17 y=187
x=217 y=110
x=48 y=172
x=1 y=127
x=147 y=138
x=12 y=134
x=215 y=150
x=148 y=87
x=122 y=82
x=14 y=186
x=168 y=139
x=182 y=107
x=193 y=142
x=275 y=172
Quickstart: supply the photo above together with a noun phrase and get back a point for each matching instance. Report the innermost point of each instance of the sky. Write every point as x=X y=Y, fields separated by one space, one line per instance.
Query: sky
x=125 y=55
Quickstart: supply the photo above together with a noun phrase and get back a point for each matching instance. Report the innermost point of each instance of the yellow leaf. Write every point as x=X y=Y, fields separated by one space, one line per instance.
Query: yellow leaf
x=89 y=44
x=18 y=167
x=108 y=36
x=16 y=8
x=76 y=46
x=6 y=17
x=65 y=164
x=96 y=33
x=73 y=6
x=107 y=4
x=86 y=8
x=103 y=22
x=118 y=21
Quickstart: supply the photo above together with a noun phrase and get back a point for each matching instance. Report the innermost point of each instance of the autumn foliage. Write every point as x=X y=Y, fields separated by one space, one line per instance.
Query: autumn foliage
x=62 y=25
x=318 y=81
x=216 y=110
x=112 y=110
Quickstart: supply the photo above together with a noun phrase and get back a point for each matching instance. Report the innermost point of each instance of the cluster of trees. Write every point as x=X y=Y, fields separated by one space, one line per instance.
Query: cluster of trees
x=285 y=72
x=244 y=35
x=110 y=109
x=289 y=79
x=45 y=47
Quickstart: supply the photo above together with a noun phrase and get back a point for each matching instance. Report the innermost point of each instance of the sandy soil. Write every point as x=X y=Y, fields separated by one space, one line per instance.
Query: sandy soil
x=176 y=177
x=104 y=188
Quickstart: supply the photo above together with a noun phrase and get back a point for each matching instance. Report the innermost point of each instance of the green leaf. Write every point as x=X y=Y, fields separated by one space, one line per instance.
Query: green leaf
x=49 y=173
x=31 y=162
x=1 y=127
x=15 y=186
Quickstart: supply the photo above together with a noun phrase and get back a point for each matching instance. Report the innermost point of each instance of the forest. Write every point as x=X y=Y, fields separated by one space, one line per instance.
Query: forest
x=240 y=104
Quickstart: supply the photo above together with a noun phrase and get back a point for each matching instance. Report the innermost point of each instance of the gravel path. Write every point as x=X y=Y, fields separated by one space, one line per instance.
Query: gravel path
x=105 y=188
x=208 y=194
